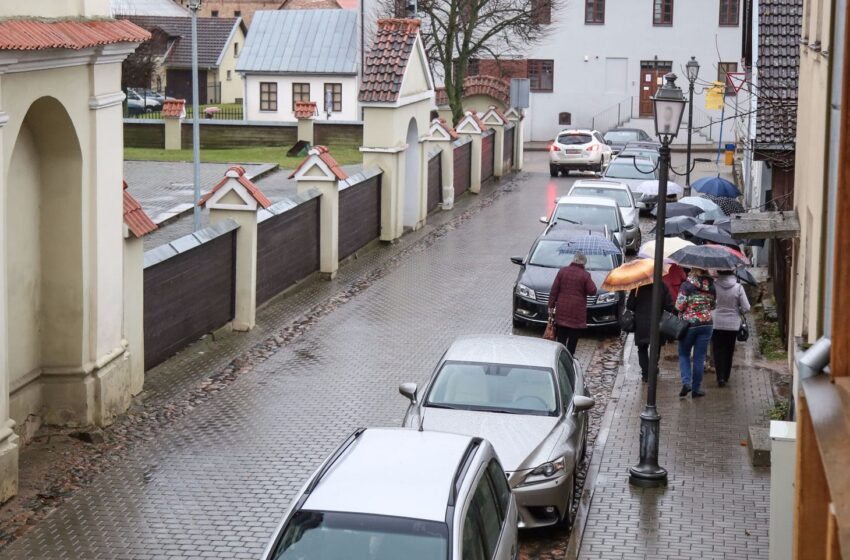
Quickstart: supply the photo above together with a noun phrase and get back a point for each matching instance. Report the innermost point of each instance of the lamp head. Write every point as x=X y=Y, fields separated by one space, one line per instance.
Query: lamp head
x=194 y=5
x=692 y=69
x=669 y=106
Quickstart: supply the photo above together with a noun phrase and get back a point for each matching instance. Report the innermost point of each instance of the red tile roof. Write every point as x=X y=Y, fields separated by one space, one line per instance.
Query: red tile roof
x=387 y=60
x=137 y=220
x=497 y=88
x=448 y=128
x=305 y=109
x=326 y=157
x=174 y=108
x=33 y=35
x=238 y=172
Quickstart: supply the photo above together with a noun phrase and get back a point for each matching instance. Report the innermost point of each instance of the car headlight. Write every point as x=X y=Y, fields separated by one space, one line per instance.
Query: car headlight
x=524 y=291
x=545 y=472
x=608 y=297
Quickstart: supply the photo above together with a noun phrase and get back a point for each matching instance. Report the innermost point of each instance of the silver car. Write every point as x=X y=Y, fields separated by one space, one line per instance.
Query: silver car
x=524 y=395
x=622 y=195
x=631 y=172
x=390 y=493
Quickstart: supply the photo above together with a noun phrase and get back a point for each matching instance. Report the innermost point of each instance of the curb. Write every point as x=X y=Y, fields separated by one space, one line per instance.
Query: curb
x=577 y=533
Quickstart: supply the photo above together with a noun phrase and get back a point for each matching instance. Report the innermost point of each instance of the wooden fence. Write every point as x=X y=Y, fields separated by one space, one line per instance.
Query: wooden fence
x=462 y=165
x=435 y=181
x=487 y=154
x=509 y=146
x=359 y=211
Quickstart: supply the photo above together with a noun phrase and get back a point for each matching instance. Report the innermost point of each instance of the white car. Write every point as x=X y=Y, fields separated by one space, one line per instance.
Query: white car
x=583 y=150
x=622 y=195
x=389 y=493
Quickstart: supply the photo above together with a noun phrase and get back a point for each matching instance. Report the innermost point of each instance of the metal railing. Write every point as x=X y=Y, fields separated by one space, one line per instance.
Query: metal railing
x=613 y=116
x=703 y=123
x=228 y=112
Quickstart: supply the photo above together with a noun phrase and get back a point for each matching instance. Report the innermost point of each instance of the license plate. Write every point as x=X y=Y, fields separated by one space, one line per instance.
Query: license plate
x=572 y=152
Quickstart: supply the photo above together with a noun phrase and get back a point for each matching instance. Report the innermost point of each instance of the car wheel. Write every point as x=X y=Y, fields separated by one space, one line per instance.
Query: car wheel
x=553 y=171
x=566 y=522
x=148 y=109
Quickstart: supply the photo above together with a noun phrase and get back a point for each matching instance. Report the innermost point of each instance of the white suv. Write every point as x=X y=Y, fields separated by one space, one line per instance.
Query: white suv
x=578 y=150
x=389 y=493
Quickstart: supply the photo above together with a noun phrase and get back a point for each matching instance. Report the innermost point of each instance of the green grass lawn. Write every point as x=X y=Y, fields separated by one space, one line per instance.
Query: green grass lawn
x=344 y=155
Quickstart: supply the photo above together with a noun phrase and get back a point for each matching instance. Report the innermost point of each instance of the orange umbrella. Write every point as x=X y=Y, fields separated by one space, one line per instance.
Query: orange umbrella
x=631 y=275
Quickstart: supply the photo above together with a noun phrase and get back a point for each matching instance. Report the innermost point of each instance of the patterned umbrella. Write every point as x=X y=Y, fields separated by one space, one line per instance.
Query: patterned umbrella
x=710 y=210
x=677 y=225
x=589 y=245
x=728 y=205
x=678 y=209
x=631 y=275
x=706 y=257
x=715 y=186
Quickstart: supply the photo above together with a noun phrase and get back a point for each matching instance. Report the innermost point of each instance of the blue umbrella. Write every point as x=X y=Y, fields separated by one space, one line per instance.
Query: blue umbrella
x=716 y=186
x=589 y=245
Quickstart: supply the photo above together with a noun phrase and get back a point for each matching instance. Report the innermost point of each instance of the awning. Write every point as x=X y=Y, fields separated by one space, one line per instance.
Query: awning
x=765 y=225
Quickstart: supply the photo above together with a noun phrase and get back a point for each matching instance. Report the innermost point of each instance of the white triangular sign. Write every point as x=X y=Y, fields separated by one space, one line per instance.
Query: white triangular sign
x=736 y=80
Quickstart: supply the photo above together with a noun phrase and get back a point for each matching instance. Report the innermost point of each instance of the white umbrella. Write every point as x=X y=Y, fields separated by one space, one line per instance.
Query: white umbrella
x=671 y=245
x=650 y=188
x=710 y=210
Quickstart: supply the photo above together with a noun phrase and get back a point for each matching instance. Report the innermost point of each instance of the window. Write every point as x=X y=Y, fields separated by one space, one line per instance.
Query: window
x=237 y=13
x=229 y=77
x=566 y=379
x=473 y=67
x=724 y=68
x=333 y=98
x=214 y=13
x=300 y=92
x=662 y=12
x=541 y=11
x=473 y=545
x=729 y=12
x=594 y=11
x=268 y=96
x=487 y=510
x=500 y=485
x=236 y=50
x=541 y=74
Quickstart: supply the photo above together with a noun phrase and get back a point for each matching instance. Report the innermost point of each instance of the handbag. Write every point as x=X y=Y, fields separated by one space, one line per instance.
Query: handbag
x=627 y=319
x=744 y=330
x=549 y=333
x=672 y=326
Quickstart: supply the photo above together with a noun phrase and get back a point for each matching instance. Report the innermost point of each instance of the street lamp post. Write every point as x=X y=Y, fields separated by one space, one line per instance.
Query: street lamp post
x=668 y=107
x=194 y=6
x=692 y=69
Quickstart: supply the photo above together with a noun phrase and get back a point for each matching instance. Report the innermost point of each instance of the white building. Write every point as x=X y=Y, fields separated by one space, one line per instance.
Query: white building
x=603 y=54
x=301 y=55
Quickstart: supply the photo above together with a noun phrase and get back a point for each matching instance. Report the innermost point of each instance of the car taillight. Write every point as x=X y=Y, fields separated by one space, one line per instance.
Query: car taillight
x=593 y=148
x=553 y=148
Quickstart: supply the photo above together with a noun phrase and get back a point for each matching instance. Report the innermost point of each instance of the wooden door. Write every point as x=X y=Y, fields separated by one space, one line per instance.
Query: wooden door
x=651 y=77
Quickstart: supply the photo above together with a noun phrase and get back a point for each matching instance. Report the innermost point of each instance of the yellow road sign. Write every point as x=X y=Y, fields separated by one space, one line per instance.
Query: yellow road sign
x=714 y=96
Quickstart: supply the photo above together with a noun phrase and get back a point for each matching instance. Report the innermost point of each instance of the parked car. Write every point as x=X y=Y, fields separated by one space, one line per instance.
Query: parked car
x=527 y=397
x=583 y=150
x=622 y=195
x=537 y=273
x=631 y=172
x=148 y=104
x=645 y=150
x=617 y=138
x=150 y=94
x=389 y=493
x=589 y=211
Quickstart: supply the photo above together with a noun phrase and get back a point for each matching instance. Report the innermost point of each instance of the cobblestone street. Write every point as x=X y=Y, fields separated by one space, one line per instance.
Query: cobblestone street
x=222 y=467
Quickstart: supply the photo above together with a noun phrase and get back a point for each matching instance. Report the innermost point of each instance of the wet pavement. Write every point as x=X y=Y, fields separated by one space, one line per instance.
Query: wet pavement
x=226 y=432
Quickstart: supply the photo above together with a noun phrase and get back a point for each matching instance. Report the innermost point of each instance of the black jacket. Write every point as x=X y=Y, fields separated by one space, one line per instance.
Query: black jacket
x=640 y=302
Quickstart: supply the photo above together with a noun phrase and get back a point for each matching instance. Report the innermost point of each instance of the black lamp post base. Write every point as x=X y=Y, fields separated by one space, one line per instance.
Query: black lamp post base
x=648 y=473
x=647 y=478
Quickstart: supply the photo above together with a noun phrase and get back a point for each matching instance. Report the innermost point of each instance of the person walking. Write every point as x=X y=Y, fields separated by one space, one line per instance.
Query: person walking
x=695 y=302
x=640 y=303
x=732 y=303
x=674 y=278
x=568 y=301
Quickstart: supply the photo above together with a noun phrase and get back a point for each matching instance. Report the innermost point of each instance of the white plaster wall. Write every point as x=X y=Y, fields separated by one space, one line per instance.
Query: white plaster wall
x=582 y=88
x=231 y=89
x=55 y=8
x=284 y=97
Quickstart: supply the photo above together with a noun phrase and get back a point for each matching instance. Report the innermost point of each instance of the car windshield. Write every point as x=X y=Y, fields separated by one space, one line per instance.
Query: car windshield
x=569 y=139
x=312 y=535
x=548 y=254
x=625 y=169
x=512 y=389
x=588 y=215
x=648 y=154
x=620 y=196
x=621 y=136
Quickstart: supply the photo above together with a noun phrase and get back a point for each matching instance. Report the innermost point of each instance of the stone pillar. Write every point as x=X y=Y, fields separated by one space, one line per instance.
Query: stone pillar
x=442 y=135
x=472 y=127
x=8 y=438
x=242 y=208
x=516 y=116
x=134 y=312
x=321 y=172
x=498 y=149
x=305 y=112
x=173 y=113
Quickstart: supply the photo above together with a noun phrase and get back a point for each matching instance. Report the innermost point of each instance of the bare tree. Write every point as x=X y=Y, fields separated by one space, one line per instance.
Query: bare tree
x=138 y=69
x=457 y=31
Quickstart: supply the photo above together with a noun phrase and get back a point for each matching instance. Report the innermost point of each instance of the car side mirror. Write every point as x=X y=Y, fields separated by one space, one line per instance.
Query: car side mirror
x=409 y=391
x=609 y=142
x=544 y=220
x=517 y=260
x=582 y=403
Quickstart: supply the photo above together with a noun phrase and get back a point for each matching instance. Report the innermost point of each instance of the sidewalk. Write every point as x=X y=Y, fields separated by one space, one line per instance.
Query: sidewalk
x=716 y=504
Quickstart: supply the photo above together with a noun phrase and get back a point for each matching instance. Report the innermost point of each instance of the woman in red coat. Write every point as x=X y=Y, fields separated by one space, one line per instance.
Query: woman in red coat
x=568 y=301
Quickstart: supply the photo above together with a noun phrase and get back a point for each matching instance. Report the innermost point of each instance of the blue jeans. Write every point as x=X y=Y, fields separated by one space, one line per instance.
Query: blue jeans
x=696 y=340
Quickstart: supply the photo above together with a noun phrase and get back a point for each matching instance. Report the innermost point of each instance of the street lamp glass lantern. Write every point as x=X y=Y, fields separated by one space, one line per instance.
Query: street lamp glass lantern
x=194 y=5
x=692 y=69
x=669 y=106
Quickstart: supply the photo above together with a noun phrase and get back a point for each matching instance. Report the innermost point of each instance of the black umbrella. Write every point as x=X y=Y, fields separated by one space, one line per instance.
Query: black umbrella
x=706 y=256
x=679 y=209
x=725 y=224
x=677 y=225
x=712 y=233
x=744 y=275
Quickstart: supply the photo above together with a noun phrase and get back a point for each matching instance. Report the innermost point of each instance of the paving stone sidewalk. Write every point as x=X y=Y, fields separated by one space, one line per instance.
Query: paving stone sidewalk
x=716 y=504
